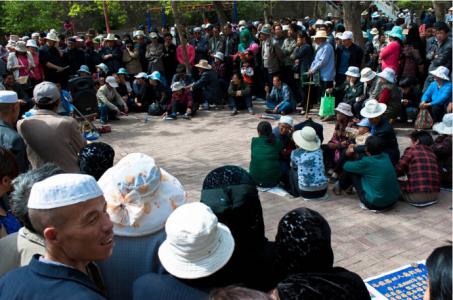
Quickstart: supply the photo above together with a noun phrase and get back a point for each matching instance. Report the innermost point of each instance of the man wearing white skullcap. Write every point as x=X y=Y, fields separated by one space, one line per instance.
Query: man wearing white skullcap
x=50 y=137
x=70 y=212
x=9 y=138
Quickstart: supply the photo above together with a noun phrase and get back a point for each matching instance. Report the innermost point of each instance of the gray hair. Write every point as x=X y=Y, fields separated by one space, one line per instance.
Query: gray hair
x=22 y=186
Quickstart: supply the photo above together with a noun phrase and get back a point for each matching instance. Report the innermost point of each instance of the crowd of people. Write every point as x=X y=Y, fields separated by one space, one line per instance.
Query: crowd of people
x=83 y=227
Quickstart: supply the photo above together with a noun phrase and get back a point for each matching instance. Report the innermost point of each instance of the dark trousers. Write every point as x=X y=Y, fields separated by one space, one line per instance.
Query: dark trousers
x=296 y=192
x=437 y=112
x=239 y=102
x=178 y=107
x=339 y=79
x=268 y=77
x=356 y=180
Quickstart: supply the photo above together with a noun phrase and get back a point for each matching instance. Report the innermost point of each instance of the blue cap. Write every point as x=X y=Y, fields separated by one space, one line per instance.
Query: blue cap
x=364 y=123
x=84 y=69
x=155 y=76
x=123 y=71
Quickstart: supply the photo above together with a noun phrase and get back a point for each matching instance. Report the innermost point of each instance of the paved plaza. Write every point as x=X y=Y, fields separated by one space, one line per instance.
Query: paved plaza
x=363 y=242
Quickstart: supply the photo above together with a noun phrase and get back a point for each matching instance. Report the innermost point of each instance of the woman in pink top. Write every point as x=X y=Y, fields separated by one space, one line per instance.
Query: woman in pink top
x=390 y=54
x=36 y=74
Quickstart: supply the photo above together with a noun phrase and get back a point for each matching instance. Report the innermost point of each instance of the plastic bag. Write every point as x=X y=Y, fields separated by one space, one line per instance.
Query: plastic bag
x=327 y=107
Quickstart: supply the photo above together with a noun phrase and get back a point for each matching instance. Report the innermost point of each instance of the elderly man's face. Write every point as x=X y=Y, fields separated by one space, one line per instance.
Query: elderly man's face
x=278 y=31
x=87 y=233
x=284 y=129
x=347 y=43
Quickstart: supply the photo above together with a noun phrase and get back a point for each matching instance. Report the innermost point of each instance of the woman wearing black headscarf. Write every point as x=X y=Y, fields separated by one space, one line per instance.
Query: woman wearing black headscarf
x=304 y=261
x=232 y=195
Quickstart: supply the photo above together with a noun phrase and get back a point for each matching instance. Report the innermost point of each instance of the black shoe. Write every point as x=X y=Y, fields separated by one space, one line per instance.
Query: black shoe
x=234 y=112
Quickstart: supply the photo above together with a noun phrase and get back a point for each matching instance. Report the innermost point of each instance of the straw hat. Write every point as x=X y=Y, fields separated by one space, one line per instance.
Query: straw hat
x=353 y=71
x=140 y=196
x=320 y=34
x=345 y=109
x=388 y=74
x=441 y=72
x=203 y=64
x=20 y=46
x=197 y=245
x=52 y=36
x=373 y=109
x=307 y=139
x=110 y=37
x=446 y=126
x=367 y=74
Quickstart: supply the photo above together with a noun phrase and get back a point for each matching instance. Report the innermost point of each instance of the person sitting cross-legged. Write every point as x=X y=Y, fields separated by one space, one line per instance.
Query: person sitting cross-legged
x=280 y=100
x=373 y=177
x=239 y=95
x=419 y=164
x=181 y=102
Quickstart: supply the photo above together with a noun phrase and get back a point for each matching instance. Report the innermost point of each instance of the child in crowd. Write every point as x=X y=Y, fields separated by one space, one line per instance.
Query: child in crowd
x=264 y=164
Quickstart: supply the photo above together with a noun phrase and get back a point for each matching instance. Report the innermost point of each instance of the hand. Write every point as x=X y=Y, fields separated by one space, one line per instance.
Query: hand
x=329 y=90
x=275 y=110
x=344 y=144
x=22 y=101
x=165 y=115
x=238 y=93
x=350 y=150
x=450 y=108
x=311 y=72
x=59 y=69
x=296 y=62
x=405 y=102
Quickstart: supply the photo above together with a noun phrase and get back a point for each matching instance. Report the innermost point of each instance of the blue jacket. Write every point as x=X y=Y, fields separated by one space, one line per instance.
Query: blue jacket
x=438 y=96
x=164 y=287
x=45 y=281
x=282 y=95
x=324 y=61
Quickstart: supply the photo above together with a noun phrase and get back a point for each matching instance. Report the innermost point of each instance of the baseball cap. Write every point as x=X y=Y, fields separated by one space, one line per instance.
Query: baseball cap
x=46 y=92
x=111 y=81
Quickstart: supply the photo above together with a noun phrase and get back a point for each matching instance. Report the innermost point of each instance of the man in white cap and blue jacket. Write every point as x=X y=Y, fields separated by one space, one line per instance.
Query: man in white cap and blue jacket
x=9 y=138
x=69 y=211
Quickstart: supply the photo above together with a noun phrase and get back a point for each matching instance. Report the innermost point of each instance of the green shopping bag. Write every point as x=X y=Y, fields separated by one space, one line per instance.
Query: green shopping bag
x=327 y=107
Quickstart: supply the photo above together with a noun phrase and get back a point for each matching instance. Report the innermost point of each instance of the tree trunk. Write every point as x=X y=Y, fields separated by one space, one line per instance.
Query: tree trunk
x=440 y=8
x=351 y=14
x=266 y=13
x=221 y=16
x=180 y=29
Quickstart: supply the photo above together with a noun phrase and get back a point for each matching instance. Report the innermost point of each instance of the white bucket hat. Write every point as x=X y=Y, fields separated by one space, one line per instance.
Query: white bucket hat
x=345 y=109
x=373 y=109
x=446 y=126
x=353 y=71
x=31 y=43
x=138 y=33
x=20 y=47
x=286 y=120
x=111 y=81
x=367 y=74
x=307 y=139
x=52 y=36
x=141 y=75
x=219 y=55
x=140 y=196
x=103 y=67
x=388 y=74
x=177 y=86
x=441 y=72
x=197 y=245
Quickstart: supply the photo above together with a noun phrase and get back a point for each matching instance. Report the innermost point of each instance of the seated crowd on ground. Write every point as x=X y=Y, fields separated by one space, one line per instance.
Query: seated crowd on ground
x=75 y=225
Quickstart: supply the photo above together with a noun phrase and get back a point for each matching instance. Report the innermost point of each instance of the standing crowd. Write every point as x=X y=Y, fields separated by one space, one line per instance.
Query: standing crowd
x=74 y=225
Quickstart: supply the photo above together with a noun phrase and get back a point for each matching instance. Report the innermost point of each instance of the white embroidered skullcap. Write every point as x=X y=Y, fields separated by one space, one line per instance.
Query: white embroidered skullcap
x=63 y=190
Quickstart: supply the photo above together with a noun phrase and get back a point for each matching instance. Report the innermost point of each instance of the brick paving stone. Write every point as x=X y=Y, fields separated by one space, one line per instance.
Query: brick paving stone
x=362 y=241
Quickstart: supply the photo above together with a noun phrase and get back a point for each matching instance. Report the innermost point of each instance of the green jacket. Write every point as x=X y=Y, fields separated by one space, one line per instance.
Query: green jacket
x=265 y=165
x=378 y=179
